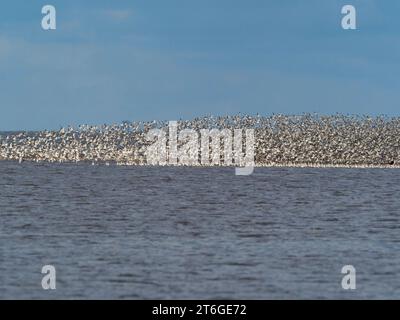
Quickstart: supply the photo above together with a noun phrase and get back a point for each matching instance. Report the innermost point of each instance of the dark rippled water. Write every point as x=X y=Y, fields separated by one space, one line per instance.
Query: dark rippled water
x=141 y=232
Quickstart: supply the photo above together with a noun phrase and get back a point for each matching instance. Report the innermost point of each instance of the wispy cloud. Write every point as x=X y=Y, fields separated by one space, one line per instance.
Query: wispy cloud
x=118 y=14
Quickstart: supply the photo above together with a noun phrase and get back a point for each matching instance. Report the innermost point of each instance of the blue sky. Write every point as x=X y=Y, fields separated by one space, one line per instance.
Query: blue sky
x=110 y=61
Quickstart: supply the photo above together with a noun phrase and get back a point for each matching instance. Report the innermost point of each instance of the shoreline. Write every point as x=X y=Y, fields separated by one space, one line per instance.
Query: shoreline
x=257 y=165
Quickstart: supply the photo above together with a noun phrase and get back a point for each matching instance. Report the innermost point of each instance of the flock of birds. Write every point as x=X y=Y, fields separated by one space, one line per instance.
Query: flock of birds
x=280 y=140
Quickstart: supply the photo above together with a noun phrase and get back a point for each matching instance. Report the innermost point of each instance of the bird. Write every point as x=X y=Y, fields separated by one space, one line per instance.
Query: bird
x=280 y=140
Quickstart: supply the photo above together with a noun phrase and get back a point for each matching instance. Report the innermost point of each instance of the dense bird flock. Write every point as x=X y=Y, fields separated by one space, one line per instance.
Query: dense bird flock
x=280 y=140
